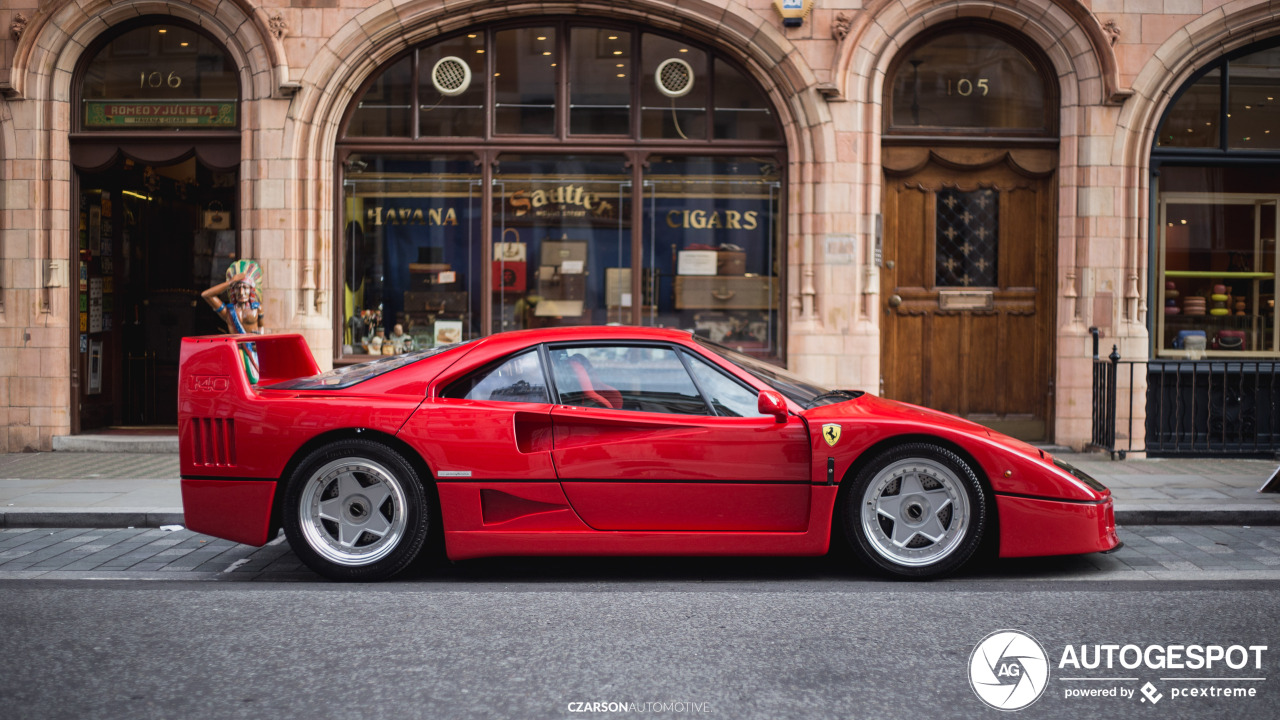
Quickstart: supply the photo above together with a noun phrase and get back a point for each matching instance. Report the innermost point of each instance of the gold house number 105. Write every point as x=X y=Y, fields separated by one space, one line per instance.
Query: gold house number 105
x=965 y=87
x=157 y=79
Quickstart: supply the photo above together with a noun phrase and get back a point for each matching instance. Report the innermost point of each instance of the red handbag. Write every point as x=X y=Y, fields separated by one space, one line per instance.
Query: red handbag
x=510 y=276
x=1229 y=340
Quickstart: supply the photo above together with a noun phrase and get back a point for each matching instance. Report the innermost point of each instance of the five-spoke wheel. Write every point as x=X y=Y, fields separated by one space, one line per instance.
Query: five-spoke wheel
x=356 y=510
x=915 y=510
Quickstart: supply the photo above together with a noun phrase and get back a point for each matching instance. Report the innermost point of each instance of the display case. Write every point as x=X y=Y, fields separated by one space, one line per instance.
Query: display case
x=1215 y=287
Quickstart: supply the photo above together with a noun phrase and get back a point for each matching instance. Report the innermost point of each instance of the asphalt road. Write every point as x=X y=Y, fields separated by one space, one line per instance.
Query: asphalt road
x=529 y=639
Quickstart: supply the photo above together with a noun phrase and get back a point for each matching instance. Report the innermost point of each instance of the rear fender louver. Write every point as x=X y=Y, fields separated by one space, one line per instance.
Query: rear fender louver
x=214 y=442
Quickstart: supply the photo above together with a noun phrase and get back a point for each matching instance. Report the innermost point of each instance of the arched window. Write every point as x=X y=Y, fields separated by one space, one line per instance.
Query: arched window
x=1216 y=174
x=159 y=77
x=560 y=172
x=1240 y=114
x=970 y=80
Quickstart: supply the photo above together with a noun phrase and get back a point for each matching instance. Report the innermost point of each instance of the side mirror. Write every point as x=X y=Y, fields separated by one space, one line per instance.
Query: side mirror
x=772 y=403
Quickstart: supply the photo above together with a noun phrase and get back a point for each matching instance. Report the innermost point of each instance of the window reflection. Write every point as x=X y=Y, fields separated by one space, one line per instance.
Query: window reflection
x=1255 y=112
x=600 y=80
x=742 y=110
x=524 y=81
x=519 y=379
x=385 y=108
x=1193 y=120
x=728 y=397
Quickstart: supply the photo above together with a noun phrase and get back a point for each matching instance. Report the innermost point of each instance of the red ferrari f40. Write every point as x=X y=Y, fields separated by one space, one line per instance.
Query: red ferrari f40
x=601 y=441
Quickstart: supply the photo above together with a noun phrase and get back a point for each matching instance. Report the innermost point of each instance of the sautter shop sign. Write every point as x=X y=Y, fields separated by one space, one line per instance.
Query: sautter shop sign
x=170 y=113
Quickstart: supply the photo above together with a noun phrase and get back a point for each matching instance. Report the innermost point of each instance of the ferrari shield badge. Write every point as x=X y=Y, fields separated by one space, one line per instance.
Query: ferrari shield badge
x=831 y=433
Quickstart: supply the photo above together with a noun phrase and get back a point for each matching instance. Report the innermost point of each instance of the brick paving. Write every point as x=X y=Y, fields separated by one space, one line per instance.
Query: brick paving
x=68 y=465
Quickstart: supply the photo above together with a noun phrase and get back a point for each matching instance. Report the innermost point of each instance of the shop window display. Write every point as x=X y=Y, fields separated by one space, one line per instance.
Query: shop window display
x=1216 y=285
x=562 y=241
x=411 y=253
x=551 y=205
x=710 y=249
x=1216 y=222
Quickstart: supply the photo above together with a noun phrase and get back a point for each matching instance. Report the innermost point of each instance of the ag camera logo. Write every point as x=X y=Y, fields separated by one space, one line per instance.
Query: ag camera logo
x=1008 y=670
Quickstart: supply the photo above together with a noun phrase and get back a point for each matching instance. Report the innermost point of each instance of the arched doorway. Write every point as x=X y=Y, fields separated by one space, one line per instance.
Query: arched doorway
x=156 y=150
x=560 y=171
x=969 y=160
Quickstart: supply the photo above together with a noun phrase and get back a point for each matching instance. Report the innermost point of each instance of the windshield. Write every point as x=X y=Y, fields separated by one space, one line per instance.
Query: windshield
x=795 y=388
x=348 y=375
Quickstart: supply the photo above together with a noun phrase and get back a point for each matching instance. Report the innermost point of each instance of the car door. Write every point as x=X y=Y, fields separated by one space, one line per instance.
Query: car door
x=492 y=424
x=652 y=437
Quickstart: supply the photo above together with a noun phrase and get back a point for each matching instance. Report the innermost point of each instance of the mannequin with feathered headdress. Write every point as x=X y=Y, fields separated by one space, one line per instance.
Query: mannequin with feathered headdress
x=243 y=314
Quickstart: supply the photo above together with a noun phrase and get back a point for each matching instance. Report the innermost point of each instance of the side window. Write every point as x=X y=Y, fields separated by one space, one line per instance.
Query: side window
x=728 y=397
x=625 y=378
x=518 y=379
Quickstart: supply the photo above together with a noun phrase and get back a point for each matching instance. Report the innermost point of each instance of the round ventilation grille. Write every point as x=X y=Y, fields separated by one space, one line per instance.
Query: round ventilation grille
x=451 y=76
x=674 y=78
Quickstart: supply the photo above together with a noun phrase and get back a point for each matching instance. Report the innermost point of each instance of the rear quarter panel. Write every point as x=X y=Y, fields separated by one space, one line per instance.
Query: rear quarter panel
x=229 y=429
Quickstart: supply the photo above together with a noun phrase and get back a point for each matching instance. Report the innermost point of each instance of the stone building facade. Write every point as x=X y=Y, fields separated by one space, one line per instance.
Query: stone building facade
x=849 y=171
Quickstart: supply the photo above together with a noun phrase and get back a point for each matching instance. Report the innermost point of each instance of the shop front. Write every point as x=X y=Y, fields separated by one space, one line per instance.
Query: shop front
x=1215 y=334
x=155 y=150
x=554 y=173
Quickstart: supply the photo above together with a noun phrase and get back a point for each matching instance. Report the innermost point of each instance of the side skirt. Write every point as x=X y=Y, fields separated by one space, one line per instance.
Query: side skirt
x=464 y=544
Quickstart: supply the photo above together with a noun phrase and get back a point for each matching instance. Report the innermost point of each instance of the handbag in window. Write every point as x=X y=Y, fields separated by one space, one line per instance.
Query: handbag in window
x=216 y=218
x=1229 y=340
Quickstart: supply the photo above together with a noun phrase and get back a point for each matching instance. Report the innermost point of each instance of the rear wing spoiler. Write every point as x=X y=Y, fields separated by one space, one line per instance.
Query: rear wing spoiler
x=216 y=364
x=214 y=388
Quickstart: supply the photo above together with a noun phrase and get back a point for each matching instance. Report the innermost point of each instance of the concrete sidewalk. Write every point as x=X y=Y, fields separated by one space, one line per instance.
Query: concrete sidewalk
x=118 y=490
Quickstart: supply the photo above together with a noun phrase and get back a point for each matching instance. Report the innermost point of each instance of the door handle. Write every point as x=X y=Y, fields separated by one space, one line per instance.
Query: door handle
x=895 y=300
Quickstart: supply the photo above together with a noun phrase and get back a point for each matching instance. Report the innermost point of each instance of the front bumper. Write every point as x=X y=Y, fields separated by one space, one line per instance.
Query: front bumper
x=1032 y=527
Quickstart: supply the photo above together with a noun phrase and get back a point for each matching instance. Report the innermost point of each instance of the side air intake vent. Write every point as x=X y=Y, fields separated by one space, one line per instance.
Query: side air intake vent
x=214 y=442
x=451 y=76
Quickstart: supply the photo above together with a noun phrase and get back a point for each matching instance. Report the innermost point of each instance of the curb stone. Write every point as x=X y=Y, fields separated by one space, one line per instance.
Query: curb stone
x=124 y=518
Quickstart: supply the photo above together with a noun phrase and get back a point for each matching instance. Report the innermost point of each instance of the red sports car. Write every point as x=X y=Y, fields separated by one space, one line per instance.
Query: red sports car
x=601 y=441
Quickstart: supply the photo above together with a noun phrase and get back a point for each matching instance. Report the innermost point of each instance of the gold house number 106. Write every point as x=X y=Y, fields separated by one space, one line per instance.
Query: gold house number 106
x=157 y=79
x=965 y=87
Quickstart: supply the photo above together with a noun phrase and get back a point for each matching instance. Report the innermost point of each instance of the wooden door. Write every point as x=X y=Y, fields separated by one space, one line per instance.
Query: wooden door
x=967 y=284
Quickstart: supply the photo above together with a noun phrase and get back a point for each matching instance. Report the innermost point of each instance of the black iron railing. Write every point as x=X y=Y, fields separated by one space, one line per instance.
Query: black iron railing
x=1202 y=408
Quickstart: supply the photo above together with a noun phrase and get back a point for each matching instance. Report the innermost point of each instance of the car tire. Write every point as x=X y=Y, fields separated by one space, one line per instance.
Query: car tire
x=915 y=511
x=356 y=510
